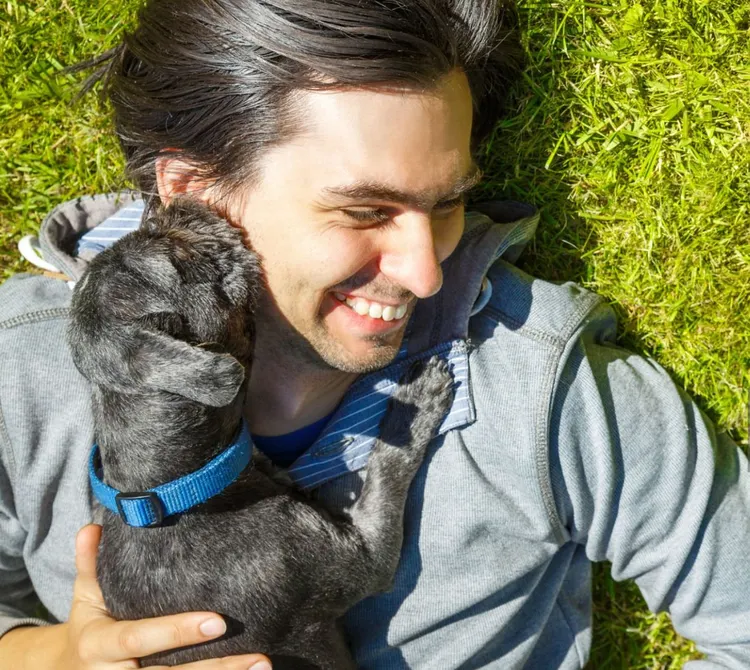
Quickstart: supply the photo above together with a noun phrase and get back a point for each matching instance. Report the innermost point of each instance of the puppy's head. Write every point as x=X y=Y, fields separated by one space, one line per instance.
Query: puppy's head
x=169 y=308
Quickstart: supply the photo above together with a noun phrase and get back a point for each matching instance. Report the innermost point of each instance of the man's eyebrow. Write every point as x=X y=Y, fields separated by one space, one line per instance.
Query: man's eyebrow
x=366 y=190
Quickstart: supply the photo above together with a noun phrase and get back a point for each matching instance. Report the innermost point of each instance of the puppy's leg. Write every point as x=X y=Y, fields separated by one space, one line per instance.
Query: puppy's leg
x=416 y=411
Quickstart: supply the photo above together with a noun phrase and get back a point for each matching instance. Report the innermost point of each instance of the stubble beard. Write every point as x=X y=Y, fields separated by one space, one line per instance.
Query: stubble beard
x=319 y=350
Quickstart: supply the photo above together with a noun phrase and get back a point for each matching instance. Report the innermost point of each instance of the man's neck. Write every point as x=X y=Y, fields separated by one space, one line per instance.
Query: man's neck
x=285 y=395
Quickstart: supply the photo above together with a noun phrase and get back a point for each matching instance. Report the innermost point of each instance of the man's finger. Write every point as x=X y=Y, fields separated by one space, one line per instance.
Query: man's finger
x=253 y=662
x=124 y=640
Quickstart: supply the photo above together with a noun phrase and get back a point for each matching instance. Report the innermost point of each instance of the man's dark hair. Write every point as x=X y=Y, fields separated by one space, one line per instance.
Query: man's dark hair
x=213 y=81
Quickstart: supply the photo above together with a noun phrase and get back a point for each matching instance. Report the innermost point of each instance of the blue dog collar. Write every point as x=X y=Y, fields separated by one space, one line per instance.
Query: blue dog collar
x=147 y=509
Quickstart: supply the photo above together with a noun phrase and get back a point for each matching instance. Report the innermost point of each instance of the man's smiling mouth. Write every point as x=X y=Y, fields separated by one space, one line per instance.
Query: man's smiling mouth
x=374 y=310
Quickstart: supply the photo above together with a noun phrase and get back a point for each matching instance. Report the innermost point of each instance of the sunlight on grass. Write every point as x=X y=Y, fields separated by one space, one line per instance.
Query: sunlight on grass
x=634 y=136
x=630 y=129
x=50 y=152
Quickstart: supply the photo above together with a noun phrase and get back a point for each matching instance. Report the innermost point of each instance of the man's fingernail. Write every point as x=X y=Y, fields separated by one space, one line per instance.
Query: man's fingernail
x=261 y=665
x=213 y=627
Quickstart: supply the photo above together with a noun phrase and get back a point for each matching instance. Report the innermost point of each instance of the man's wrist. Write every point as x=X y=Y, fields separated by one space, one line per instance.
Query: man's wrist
x=33 y=647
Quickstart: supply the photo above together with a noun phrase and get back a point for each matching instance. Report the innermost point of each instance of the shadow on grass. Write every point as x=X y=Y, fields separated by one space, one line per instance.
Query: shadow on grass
x=517 y=166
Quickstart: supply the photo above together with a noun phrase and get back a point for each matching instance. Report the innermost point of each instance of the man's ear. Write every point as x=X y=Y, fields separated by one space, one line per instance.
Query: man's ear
x=177 y=177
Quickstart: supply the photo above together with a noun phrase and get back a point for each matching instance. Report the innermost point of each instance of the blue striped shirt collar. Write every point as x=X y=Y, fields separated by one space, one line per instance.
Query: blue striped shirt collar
x=347 y=440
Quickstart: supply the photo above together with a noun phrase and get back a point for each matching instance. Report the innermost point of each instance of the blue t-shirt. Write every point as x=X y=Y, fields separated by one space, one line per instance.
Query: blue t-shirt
x=283 y=450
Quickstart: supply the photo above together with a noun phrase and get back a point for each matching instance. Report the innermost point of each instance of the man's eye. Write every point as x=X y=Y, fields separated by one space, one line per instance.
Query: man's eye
x=450 y=205
x=381 y=216
x=368 y=216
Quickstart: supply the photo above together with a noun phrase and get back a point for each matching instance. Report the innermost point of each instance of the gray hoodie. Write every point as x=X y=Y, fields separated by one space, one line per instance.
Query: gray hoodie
x=560 y=449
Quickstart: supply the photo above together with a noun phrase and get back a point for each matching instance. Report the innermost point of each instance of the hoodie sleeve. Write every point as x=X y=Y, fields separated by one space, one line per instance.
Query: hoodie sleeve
x=642 y=478
x=17 y=597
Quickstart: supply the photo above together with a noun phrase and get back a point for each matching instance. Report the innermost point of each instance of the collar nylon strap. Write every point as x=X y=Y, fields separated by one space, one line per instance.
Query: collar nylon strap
x=146 y=509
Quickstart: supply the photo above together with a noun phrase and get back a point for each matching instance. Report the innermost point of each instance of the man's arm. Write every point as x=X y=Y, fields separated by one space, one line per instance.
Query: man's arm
x=642 y=479
x=17 y=598
x=23 y=644
x=24 y=648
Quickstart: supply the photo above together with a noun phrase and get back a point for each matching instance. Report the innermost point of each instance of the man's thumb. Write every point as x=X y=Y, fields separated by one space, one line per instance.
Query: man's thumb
x=87 y=547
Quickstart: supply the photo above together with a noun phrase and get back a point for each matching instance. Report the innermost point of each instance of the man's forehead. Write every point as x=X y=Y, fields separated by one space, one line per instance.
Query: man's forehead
x=413 y=148
x=329 y=113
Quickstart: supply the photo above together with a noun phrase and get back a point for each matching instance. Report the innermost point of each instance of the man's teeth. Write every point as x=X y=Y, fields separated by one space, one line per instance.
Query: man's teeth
x=373 y=309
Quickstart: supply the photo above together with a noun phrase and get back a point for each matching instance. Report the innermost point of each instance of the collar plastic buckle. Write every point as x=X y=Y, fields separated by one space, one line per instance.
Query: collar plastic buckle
x=157 y=509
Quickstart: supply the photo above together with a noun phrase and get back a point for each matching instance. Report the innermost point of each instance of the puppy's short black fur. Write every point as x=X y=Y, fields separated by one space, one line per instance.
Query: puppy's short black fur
x=162 y=327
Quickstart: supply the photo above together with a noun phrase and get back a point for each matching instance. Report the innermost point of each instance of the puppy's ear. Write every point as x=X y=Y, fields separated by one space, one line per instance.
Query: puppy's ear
x=146 y=361
x=167 y=364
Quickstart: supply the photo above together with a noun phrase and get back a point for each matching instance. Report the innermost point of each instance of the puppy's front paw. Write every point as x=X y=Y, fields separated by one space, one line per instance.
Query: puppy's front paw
x=429 y=386
x=418 y=406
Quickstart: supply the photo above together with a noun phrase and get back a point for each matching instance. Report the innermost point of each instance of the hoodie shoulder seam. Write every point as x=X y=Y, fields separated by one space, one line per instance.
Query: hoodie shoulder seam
x=499 y=316
x=588 y=303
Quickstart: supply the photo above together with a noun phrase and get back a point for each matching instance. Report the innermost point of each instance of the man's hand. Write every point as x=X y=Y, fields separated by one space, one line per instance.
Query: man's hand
x=92 y=640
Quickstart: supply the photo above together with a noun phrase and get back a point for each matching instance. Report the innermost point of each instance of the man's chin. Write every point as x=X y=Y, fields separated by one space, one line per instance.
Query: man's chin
x=364 y=359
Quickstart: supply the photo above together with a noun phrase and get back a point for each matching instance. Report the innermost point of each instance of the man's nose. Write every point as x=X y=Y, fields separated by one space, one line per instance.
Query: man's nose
x=409 y=258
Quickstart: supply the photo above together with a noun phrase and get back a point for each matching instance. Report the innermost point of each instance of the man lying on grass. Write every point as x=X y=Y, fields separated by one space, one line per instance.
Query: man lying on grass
x=338 y=135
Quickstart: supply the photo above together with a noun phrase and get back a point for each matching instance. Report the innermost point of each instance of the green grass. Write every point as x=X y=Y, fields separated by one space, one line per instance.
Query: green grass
x=631 y=130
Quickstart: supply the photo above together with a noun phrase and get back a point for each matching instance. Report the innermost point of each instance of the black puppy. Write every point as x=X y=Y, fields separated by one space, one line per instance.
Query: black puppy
x=162 y=327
